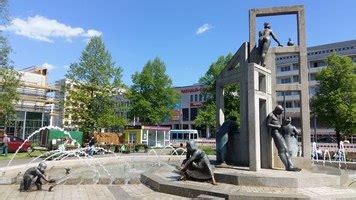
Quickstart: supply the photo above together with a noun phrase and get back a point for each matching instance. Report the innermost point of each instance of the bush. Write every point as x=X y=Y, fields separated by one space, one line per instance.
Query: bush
x=127 y=151
x=139 y=147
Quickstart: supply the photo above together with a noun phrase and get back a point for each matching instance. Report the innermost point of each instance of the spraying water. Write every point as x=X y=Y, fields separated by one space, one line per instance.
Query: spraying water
x=34 y=133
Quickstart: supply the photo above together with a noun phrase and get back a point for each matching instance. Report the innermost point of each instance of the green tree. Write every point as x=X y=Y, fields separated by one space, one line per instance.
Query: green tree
x=335 y=100
x=96 y=80
x=9 y=77
x=152 y=95
x=207 y=114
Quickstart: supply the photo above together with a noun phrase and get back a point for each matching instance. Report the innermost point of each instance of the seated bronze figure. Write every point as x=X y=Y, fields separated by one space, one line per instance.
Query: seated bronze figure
x=196 y=166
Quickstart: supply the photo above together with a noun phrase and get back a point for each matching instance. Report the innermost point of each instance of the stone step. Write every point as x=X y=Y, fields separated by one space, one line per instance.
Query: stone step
x=275 y=178
x=166 y=181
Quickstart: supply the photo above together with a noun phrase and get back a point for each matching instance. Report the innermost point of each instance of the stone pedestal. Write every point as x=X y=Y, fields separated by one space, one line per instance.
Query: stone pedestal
x=259 y=104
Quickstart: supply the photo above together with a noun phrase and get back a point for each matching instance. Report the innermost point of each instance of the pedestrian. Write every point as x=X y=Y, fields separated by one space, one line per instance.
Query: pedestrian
x=91 y=146
x=5 y=146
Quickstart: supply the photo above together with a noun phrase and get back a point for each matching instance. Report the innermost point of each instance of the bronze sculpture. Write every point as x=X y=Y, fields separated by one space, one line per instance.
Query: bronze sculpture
x=290 y=43
x=196 y=166
x=264 y=41
x=33 y=173
x=274 y=127
x=225 y=136
x=290 y=134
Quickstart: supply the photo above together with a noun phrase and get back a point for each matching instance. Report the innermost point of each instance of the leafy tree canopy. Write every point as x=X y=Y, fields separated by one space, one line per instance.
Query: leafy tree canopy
x=335 y=100
x=9 y=77
x=96 y=80
x=207 y=114
x=152 y=95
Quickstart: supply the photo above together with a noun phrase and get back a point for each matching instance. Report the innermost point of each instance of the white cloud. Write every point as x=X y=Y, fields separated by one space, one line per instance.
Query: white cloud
x=203 y=28
x=44 y=29
x=92 y=33
x=48 y=66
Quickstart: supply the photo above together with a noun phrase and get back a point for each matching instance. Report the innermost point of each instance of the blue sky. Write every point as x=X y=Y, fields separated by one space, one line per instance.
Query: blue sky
x=188 y=35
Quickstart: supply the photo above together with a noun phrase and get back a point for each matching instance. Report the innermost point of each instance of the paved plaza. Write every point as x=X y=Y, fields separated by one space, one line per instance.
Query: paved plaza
x=85 y=192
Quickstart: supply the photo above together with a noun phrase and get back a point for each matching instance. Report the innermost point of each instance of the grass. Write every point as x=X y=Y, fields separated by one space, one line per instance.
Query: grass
x=20 y=155
x=208 y=150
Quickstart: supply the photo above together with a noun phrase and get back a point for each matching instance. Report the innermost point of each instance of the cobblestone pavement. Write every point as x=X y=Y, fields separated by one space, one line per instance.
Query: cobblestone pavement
x=87 y=192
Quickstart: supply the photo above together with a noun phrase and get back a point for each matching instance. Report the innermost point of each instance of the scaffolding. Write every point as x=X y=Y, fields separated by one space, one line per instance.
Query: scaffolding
x=36 y=106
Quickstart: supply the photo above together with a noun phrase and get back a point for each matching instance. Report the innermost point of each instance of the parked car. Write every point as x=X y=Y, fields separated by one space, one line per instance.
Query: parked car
x=15 y=143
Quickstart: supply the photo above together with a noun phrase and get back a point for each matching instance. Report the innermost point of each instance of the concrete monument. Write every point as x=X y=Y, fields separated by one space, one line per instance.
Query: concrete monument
x=258 y=93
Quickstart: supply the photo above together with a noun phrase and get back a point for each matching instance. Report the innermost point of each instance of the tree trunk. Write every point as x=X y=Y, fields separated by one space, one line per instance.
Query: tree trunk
x=338 y=138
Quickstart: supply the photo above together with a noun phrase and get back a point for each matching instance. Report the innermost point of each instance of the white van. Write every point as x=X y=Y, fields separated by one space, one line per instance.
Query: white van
x=182 y=136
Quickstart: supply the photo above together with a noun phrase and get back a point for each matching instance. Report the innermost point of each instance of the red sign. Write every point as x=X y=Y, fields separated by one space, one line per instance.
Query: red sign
x=196 y=104
x=192 y=90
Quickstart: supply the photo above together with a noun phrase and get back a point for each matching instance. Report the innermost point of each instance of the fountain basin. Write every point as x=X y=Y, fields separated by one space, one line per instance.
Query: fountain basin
x=103 y=170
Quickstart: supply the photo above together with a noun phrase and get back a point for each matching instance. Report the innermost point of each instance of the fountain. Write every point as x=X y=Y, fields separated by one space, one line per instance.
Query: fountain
x=31 y=135
x=339 y=157
x=85 y=169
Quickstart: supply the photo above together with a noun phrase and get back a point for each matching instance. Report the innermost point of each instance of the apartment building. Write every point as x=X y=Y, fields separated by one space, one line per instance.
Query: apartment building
x=65 y=119
x=287 y=68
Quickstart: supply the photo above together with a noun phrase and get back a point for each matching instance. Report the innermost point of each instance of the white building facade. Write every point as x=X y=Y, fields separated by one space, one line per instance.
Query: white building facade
x=64 y=118
x=287 y=71
x=192 y=98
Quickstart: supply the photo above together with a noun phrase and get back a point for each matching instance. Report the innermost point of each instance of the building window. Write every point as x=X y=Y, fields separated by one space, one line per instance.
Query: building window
x=296 y=66
x=196 y=97
x=315 y=64
x=286 y=93
x=285 y=80
x=295 y=78
x=296 y=104
x=285 y=68
x=191 y=98
x=193 y=114
x=312 y=77
x=289 y=104
x=200 y=97
x=185 y=112
x=312 y=91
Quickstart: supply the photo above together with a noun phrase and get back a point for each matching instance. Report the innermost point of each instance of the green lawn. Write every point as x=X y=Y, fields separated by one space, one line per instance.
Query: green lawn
x=208 y=150
x=21 y=155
